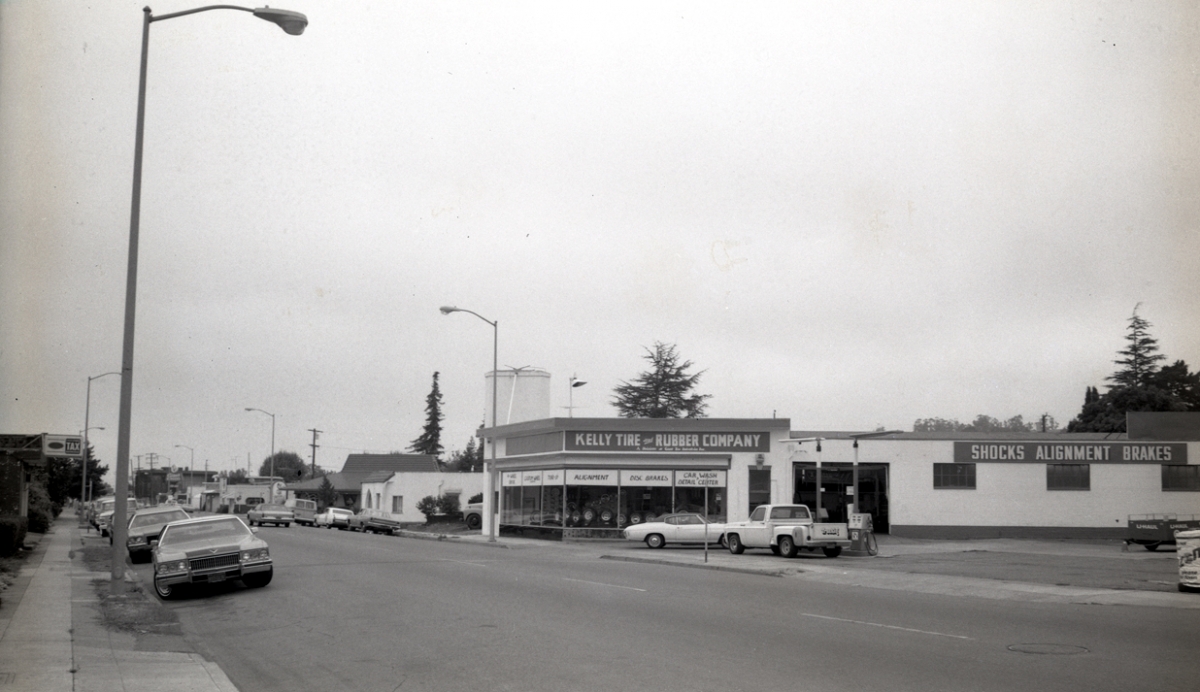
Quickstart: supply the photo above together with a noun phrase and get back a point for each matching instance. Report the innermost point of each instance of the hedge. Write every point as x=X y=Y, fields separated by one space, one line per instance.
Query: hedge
x=12 y=534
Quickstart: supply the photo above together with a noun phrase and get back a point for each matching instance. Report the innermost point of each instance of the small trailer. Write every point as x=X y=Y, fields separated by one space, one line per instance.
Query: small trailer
x=1153 y=530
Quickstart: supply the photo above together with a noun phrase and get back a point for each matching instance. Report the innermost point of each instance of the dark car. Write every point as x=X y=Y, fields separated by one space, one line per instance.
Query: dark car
x=270 y=514
x=374 y=521
x=144 y=527
x=209 y=550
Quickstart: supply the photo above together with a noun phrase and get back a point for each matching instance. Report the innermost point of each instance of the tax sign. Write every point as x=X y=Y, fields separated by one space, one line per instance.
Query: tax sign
x=62 y=446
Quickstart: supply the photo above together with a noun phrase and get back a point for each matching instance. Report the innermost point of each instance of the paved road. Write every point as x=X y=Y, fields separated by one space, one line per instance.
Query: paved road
x=364 y=612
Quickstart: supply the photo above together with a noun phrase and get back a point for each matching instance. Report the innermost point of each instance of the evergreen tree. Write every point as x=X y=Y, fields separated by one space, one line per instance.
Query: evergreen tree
x=326 y=494
x=664 y=391
x=1138 y=385
x=1140 y=357
x=469 y=460
x=430 y=441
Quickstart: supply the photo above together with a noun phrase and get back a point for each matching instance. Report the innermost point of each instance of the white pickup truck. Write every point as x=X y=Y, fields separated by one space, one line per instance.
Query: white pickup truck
x=785 y=529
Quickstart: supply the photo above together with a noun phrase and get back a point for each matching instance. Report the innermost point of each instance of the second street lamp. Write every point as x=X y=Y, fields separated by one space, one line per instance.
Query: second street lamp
x=87 y=412
x=272 y=462
x=292 y=23
x=489 y=502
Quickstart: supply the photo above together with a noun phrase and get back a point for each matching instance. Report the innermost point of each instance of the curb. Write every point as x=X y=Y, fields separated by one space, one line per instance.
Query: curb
x=721 y=568
x=422 y=536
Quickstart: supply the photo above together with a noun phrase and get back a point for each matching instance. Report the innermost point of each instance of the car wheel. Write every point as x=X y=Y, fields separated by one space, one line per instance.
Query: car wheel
x=165 y=591
x=285 y=524
x=655 y=540
x=787 y=547
x=258 y=579
x=734 y=542
x=474 y=521
x=832 y=551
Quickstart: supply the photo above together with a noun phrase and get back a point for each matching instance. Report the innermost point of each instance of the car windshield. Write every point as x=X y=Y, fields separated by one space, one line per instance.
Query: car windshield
x=152 y=518
x=226 y=528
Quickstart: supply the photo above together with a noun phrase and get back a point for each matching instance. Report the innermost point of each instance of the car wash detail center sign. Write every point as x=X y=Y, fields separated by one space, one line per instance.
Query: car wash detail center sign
x=667 y=442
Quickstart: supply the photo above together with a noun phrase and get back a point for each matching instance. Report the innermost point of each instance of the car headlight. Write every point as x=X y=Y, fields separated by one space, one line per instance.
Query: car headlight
x=137 y=540
x=256 y=554
x=172 y=567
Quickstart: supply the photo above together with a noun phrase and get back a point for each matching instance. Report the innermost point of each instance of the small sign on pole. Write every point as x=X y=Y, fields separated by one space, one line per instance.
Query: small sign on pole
x=62 y=446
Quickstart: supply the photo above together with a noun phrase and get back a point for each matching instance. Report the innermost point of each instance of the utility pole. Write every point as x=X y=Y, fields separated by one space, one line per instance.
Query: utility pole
x=314 y=446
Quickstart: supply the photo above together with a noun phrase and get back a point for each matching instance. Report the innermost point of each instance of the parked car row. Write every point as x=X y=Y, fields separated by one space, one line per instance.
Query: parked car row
x=783 y=529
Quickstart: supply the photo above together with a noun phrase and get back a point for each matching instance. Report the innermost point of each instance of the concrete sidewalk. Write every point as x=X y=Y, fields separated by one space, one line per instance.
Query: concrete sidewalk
x=52 y=638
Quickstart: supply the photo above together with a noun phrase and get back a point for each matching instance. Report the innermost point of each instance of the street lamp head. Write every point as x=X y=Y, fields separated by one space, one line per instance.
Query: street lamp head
x=446 y=309
x=577 y=383
x=291 y=22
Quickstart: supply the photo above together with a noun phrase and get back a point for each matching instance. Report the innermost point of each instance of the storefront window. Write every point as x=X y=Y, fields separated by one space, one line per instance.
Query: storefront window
x=591 y=499
x=510 y=508
x=640 y=504
x=693 y=500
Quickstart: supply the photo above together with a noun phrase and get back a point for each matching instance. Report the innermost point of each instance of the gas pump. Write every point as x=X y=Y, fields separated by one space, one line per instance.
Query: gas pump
x=862 y=534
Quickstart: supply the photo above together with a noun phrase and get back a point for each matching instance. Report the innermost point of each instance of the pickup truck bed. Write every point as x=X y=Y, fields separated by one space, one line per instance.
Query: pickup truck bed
x=785 y=530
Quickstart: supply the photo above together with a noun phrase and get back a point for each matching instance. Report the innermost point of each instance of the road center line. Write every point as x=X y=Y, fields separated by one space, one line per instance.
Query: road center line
x=464 y=562
x=890 y=627
x=596 y=583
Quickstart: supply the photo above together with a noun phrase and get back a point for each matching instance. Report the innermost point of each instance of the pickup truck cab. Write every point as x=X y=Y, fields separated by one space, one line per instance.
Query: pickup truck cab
x=785 y=530
x=473 y=515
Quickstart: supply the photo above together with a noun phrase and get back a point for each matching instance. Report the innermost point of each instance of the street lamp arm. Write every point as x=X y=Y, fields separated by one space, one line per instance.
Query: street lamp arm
x=291 y=22
x=446 y=310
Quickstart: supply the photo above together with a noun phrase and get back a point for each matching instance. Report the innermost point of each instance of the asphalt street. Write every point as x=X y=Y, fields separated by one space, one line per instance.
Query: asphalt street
x=349 y=611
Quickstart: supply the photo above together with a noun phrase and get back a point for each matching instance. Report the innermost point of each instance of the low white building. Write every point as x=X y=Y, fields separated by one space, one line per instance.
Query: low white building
x=398 y=493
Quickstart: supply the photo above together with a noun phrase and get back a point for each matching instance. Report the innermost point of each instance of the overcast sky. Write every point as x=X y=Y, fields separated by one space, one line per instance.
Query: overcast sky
x=847 y=214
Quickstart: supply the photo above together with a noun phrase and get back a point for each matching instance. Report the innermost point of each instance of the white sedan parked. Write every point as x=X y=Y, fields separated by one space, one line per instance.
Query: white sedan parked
x=676 y=528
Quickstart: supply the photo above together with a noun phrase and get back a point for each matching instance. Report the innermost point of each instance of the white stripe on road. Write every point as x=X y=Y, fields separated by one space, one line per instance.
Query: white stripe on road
x=615 y=586
x=890 y=627
x=464 y=562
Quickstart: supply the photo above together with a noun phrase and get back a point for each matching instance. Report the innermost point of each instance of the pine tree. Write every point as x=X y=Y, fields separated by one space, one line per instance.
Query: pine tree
x=1140 y=358
x=1137 y=385
x=430 y=441
x=664 y=391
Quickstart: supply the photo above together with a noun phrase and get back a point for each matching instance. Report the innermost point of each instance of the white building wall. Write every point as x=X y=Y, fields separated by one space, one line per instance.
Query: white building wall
x=415 y=486
x=1015 y=494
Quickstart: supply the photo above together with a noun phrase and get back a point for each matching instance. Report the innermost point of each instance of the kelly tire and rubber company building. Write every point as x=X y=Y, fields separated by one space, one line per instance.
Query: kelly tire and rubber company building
x=579 y=478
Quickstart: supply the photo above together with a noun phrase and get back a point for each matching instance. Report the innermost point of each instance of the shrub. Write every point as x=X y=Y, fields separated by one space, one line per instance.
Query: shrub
x=12 y=534
x=448 y=504
x=41 y=512
x=428 y=506
x=477 y=497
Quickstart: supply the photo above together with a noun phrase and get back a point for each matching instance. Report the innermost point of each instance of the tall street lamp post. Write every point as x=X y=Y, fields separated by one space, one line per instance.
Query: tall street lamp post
x=272 y=415
x=193 y=451
x=87 y=412
x=83 y=433
x=292 y=23
x=489 y=504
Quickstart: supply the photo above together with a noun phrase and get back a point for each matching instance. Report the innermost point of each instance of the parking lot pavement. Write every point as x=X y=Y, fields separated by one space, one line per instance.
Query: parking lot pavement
x=1069 y=571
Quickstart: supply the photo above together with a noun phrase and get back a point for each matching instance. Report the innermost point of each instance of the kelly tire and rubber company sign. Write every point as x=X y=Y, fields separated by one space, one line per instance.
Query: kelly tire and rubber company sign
x=720 y=442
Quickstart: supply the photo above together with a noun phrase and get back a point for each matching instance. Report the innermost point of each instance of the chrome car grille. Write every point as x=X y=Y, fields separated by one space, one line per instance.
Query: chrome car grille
x=199 y=564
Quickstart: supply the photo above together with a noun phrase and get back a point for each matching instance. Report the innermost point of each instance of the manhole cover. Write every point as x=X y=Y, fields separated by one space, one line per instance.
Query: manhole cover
x=1048 y=649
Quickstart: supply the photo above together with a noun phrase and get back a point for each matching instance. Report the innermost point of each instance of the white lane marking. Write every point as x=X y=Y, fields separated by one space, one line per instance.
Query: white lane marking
x=890 y=627
x=464 y=562
x=615 y=586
